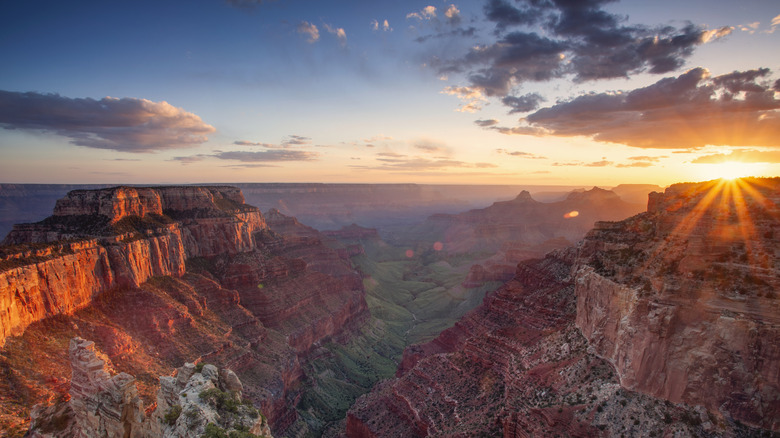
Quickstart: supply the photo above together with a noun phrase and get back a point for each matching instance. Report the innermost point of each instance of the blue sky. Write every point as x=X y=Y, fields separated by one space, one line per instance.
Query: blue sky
x=496 y=91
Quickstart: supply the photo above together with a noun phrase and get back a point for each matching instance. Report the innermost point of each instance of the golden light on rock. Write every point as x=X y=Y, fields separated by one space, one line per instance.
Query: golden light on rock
x=571 y=214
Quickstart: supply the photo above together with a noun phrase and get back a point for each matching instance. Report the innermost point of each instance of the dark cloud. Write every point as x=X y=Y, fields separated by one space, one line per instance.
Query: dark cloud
x=504 y=14
x=455 y=33
x=688 y=111
x=743 y=155
x=125 y=125
x=523 y=104
x=486 y=123
x=521 y=154
x=541 y=40
x=267 y=156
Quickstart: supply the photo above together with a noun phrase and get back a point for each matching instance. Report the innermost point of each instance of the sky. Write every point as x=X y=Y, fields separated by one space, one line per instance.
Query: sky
x=559 y=92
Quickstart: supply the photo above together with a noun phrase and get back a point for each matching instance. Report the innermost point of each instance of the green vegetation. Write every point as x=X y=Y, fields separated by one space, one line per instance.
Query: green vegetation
x=173 y=414
x=411 y=300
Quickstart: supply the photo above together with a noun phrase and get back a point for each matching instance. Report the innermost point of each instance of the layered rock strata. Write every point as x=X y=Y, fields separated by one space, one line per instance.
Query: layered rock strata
x=683 y=300
x=244 y=295
x=42 y=276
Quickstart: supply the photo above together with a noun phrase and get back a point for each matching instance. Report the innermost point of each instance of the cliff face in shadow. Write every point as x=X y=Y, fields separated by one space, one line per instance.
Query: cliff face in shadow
x=161 y=276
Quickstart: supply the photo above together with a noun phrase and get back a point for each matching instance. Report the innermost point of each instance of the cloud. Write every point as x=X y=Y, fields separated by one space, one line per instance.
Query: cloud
x=125 y=125
x=267 y=156
x=472 y=98
x=688 y=111
x=295 y=140
x=523 y=104
x=288 y=142
x=521 y=154
x=384 y=26
x=190 y=159
x=422 y=164
x=340 y=33
x=380 y=137
x=426 y=13
x=742 y=155
x=455 y=33
x=306 y=28
x=636 y=164
x=432 y=147
x=452 y=14
x=486 y=123
x=253 y=143
x=540 y=40
x=602 y=163
x=504 y=14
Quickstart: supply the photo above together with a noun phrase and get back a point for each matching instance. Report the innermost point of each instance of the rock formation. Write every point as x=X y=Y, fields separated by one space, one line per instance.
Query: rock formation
x=123 y=239
x=662 y=324
x=187 y=404
x=200 y=277
x=682 y=300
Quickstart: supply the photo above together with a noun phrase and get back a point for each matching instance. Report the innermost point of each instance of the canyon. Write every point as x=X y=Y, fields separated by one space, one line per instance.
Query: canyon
x=663 y=323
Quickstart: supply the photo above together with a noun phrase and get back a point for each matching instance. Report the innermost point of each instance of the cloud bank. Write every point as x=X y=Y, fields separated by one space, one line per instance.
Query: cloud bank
x=688 y=111
x=542 y=40
x=125 y=125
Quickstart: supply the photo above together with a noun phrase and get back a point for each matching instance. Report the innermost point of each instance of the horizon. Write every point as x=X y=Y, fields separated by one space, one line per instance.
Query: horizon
x=437 y=93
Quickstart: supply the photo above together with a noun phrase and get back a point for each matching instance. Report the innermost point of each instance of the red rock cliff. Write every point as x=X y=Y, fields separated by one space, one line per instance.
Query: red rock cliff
x=40 y=282
x=683 y=299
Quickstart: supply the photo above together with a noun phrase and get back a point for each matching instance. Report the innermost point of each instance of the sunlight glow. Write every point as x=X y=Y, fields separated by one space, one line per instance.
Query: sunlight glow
x=730 y=170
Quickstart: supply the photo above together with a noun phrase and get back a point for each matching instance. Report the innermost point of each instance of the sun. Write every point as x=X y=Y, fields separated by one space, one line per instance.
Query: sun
x=731 y=170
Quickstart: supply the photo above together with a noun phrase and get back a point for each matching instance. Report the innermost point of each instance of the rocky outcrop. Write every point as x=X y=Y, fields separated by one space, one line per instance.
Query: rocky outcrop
x=195 y=400
x=124 y=237
x=683 y=300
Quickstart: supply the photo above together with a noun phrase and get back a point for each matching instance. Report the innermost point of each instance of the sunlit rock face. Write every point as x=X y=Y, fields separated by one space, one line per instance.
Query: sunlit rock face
x=117 y=237
x=201 y=281
x=664 y=322
x=683 y=300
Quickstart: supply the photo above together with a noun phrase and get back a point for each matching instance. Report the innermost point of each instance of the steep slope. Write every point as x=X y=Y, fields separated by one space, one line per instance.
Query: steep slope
x=240 y=293
x=683 y=300
x=620 y=336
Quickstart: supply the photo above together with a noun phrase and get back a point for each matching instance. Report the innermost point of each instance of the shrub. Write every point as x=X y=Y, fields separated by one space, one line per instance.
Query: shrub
x=173 y=414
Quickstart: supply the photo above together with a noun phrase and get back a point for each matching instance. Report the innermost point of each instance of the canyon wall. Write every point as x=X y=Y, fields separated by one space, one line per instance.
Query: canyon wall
x=200 y=277
x=683 y=300
x=41 y=280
